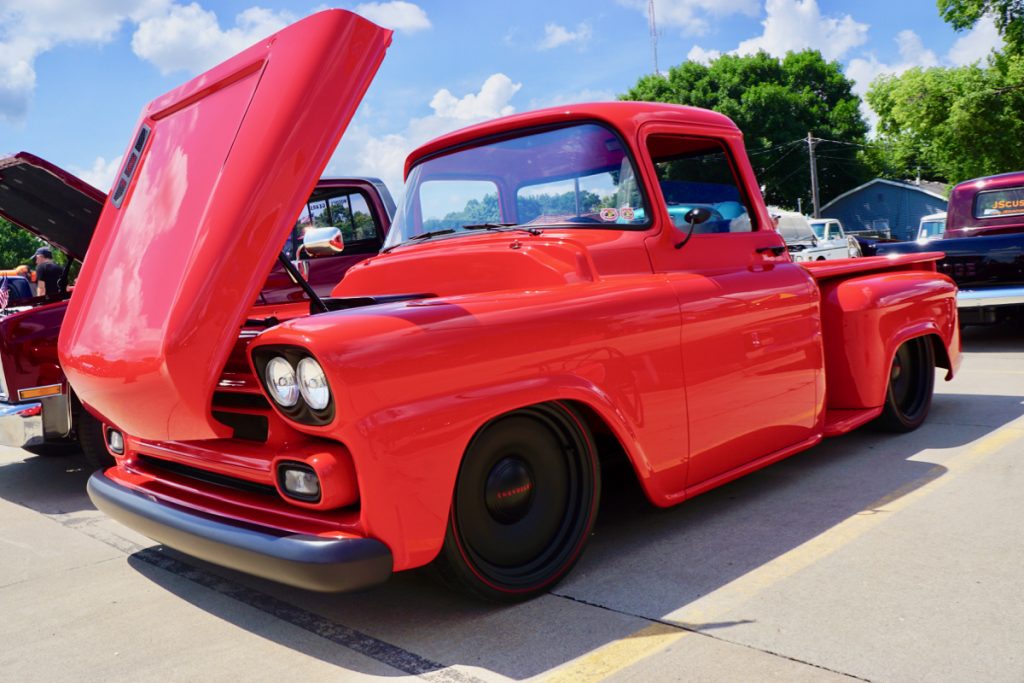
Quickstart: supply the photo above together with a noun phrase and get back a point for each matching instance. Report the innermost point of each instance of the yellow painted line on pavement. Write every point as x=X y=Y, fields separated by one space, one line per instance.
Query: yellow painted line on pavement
x=619 y=654
x=730 y=596
x=625 y=652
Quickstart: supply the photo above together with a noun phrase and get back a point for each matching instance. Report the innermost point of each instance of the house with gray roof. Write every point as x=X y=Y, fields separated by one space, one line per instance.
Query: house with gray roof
x=893 y=205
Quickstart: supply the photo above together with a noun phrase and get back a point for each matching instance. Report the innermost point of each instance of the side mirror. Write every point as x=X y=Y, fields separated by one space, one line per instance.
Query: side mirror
x=697 y=215
x=322 y=242
x=814 y=241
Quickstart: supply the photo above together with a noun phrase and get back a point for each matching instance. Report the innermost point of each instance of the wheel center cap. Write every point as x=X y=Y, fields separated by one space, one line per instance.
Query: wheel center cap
x=509 y=490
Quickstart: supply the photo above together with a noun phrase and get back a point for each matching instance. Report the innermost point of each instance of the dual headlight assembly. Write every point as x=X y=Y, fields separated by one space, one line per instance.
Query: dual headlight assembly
x=298 y=385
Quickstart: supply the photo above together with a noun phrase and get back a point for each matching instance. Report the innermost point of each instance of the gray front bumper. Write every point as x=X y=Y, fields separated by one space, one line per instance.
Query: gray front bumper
x=990 y=296
x=21 y=424
x=310 y=562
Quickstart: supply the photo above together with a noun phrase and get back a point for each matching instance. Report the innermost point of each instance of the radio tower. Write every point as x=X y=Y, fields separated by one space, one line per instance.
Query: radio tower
x=654 y=34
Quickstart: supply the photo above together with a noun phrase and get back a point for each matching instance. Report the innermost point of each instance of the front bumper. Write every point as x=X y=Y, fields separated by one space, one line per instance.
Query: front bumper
x=990 y=296
x=310 y=562
x=21 y=424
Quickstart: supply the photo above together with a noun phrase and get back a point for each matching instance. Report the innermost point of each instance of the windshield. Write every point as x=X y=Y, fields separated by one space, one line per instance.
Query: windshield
x=578 y=177
x=819 y=229
x=794 y=228
x=931 y=229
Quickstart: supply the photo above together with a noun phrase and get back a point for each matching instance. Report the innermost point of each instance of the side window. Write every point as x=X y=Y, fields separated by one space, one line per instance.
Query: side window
x=478 y=199
x=351 y=214
x=696 y=172
x=347 y=210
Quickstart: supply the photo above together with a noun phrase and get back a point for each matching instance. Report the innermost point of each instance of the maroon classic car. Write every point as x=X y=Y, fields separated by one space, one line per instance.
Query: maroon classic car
x=38 y=411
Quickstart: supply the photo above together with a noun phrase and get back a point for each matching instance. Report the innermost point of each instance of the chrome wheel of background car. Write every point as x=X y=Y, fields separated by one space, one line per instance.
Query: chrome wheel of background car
x=911 y=384
x=524 y=504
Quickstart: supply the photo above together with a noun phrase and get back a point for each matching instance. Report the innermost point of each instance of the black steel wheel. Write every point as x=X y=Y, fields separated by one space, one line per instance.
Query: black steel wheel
x=911 y=384
x=524 y=504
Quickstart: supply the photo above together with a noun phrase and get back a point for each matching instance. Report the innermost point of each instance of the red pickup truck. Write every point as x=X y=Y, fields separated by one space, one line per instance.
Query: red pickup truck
x=543 y=303
x=38 y=411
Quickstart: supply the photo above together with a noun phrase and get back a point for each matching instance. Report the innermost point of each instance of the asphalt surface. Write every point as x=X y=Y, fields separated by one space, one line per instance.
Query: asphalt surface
x=869 y=557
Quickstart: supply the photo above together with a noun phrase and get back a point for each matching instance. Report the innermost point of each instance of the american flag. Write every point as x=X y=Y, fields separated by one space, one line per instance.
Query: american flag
x=5 y=293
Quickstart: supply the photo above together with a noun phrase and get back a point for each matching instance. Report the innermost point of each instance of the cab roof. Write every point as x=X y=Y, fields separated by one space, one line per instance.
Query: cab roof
x=626 y=117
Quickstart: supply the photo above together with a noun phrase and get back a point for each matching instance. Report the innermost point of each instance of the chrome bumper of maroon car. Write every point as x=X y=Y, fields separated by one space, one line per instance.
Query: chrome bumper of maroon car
x=21 y=424
x=990 y=296
x=310 y=562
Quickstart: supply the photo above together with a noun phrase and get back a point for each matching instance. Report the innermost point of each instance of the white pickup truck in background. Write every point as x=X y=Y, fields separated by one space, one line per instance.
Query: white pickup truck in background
x=803 y=242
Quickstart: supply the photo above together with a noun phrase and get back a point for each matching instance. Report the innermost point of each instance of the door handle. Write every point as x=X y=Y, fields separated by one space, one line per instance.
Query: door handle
x=775 y=251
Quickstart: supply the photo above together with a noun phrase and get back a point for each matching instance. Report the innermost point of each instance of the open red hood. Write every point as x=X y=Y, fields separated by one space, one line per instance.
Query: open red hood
x=211 y=184
x=49 y=202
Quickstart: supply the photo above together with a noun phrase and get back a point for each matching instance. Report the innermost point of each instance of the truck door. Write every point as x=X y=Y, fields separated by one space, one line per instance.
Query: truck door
x=750 y=332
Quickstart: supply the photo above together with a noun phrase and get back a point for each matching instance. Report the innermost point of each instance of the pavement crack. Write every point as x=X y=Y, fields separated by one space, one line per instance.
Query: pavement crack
x=692 y=629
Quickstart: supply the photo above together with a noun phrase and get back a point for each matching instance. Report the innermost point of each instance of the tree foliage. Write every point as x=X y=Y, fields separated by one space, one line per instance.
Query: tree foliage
x=953 y=123
x=17 y=246
x=776 y=102
x=1008 y=16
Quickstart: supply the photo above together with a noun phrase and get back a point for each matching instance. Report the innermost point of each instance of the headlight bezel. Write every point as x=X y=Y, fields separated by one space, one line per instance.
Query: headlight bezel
x=302 y=412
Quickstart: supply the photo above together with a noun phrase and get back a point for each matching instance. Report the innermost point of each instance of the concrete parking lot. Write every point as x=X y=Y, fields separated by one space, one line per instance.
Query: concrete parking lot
x=869 y=557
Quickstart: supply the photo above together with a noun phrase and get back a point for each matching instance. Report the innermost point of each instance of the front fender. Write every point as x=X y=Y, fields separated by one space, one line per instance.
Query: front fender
x=414 y=381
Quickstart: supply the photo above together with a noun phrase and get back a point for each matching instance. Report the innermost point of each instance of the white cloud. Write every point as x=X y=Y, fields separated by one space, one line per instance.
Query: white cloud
x=189 y=38
x=362 y=153
x=102 y=174
x=699 y=54
x=574 y=97
x=912 y=53
x=976 y=44
x=29 y=29
x=556 y=36
x=794 y=25
x=400 y=16
x=799 y=24
x=491 y=101
x=692 y=15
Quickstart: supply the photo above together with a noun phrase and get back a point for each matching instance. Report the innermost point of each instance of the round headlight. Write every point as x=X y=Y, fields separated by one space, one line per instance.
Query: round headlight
x=281 y=382
x=313 y=384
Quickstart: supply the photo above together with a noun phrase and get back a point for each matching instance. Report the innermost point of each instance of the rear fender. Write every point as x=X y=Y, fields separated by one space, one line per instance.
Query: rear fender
x=865 y=319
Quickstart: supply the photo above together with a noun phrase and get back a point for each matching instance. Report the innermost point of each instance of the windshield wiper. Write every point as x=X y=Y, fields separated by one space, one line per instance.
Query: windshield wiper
x=500 y=227
x=421 y=236
x=431 y=233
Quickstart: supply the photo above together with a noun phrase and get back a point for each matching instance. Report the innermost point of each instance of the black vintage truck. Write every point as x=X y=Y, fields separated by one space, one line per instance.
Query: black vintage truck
x=984 y=246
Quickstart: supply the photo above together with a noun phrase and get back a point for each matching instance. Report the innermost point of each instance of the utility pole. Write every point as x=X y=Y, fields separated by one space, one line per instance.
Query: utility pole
x=811 y=142
x=653 y=25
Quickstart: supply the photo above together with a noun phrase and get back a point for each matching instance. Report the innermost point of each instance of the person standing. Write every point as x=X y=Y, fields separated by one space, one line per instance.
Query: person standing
x=47 y=273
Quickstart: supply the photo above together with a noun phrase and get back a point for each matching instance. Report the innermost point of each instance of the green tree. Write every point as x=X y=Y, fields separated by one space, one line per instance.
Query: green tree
x=1008 y=16
x=776 y=102
x=953 y=123
x=17 y=245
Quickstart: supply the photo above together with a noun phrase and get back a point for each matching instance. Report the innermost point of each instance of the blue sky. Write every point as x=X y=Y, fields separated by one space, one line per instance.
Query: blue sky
x=74 y=75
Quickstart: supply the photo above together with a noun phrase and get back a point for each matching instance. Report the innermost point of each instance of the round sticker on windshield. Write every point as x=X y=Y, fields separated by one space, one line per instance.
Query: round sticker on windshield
x=609 y=214
x=627 y=213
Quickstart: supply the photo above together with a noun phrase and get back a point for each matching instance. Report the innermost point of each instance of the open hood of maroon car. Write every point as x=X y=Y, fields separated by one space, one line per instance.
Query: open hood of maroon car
x=49 y=202
x=212 y=182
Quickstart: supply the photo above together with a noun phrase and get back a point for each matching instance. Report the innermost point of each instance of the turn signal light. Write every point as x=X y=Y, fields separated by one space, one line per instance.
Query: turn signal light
x=299 y=481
